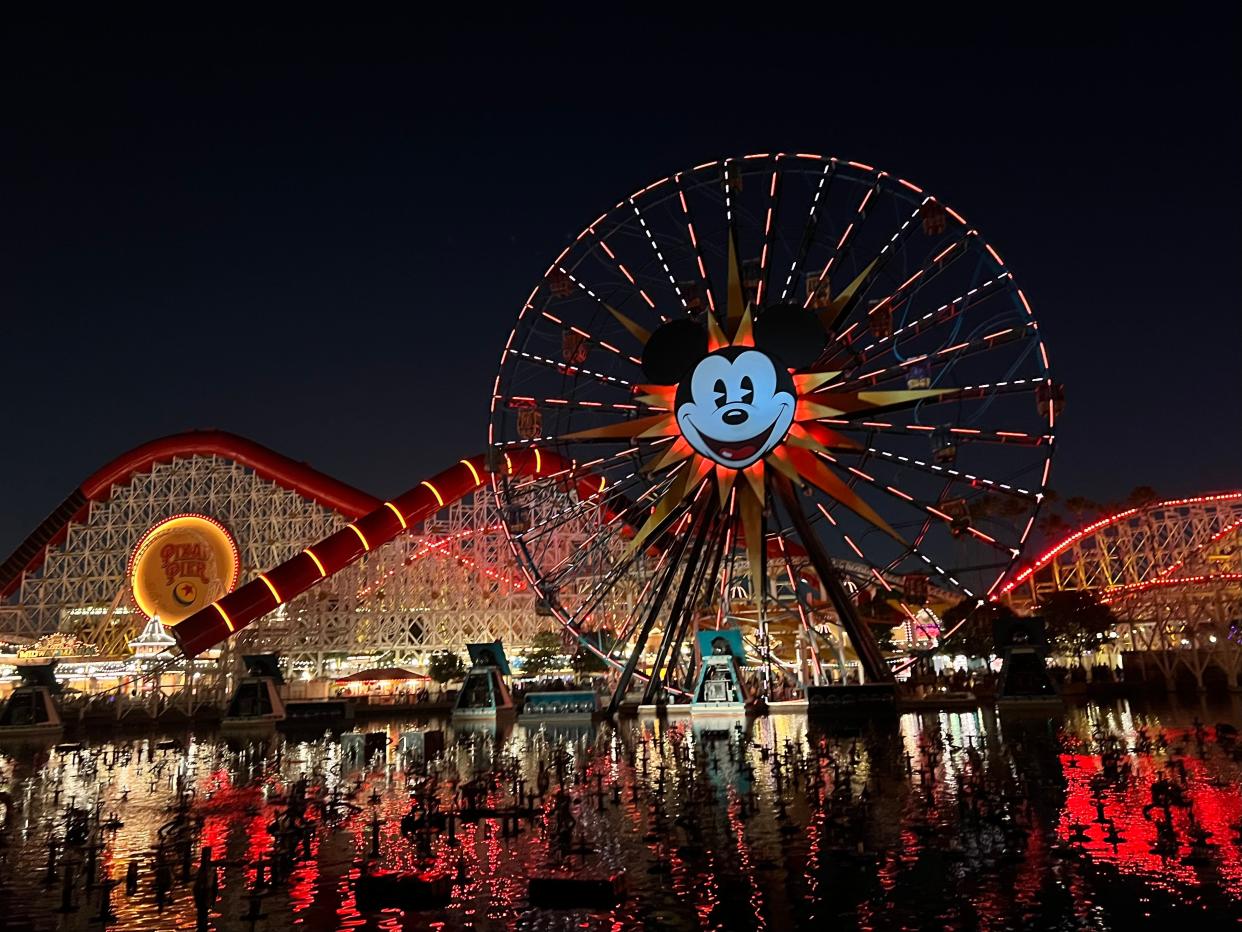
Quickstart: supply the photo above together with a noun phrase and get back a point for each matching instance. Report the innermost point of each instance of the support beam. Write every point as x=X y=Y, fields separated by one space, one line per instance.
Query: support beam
x=874 y=666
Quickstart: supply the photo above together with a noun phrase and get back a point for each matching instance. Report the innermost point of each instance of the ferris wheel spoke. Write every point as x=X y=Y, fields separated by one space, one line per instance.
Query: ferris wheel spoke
x=855 y=295
x=956 y=434
x=553 y=440
x=590 y=505
x=543 y=542
x=578 y=472
x=704 y=584
x=695 y=244
x=526 y=443
x=941 y=359
x=632 y=515
x=518 y=402
x=948 y=313
x=812 y=221
x=768 y=228
x=571 y=371
x=598 y=540
x=659 y=256
x=968 y=479
x=730 y=564
x=621 y=267
x=804 y=618
x=891 y=249
x=910 y=501
x=626 y=631
x=843 y=244
x=558 y=575
x=582 y=472
x=965 y=393
x=911 y=550
x=589 y=338
x=905 y=294
x=549 y=527
x=865 y=404
x=605 y=586
x=659 y=596
x=864 y=642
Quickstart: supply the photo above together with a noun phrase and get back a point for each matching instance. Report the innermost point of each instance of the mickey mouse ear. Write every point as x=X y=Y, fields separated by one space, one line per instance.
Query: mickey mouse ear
x=791 y=334
x=674 y=350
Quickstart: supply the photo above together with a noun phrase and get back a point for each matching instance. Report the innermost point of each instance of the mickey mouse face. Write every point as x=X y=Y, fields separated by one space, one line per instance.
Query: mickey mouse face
x=735 y=406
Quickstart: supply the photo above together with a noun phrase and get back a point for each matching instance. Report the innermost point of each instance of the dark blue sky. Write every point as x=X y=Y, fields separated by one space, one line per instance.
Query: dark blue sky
x=320 y=239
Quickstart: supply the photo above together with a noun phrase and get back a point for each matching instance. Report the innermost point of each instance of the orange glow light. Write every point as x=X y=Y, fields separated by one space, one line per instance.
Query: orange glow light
x=435 y=492
x=267 y=582
x=473 y=472
x=362 y=537
x=225 y=615
x=314 y=559
x=397 y=511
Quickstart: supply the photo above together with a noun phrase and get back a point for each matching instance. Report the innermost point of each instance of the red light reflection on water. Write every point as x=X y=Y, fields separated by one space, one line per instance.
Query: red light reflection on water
x=1215 y=805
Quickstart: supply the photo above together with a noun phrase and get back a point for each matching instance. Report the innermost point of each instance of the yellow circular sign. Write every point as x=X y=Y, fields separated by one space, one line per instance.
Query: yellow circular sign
x=183 y=564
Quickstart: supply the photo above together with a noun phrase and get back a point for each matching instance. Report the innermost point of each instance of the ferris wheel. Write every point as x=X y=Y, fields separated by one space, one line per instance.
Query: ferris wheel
x=773 y=392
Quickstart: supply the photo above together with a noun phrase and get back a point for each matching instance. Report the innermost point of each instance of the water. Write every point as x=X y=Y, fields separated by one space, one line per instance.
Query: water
x=945 y=821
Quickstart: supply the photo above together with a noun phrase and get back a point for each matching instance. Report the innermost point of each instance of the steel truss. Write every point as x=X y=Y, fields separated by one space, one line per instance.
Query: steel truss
x=450 y=582
x=1171 y=571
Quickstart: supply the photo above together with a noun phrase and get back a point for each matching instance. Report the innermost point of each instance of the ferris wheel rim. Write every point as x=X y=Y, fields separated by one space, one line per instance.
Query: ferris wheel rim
x=877 y=177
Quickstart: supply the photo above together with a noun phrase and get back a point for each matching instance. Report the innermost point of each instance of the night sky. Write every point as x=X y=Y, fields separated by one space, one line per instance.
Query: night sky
x=320 y=239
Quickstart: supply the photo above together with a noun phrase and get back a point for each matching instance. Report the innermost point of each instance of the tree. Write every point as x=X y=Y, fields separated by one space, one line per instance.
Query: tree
x=585 y=662
x=544 y=655
x=445 y=666
x=880 y=617
x=883 y=635
x=1083 y=509
x=1076 y=622
x=974 y=638
x=1141 y=495
x=1052 y=524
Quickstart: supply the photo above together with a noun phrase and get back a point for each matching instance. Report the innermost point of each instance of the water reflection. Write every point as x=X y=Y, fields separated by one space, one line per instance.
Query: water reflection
x=1107 y=817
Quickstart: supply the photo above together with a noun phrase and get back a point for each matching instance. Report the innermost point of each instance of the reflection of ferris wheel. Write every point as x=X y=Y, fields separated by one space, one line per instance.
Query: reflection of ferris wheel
x=749 y=371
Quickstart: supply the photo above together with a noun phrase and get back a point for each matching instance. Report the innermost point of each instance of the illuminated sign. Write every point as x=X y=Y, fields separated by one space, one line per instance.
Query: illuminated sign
x=58 y=645
x=183 y=564
x=735 y=407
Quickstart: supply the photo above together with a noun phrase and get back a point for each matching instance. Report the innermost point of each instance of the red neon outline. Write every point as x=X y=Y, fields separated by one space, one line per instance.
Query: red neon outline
x=1048 y=555
x=285 y=472
x=1118 y=592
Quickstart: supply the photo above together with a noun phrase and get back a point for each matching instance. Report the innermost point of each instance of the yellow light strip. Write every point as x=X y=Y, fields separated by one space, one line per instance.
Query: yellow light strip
x=319 y=566
x=362 y=537
x=538 y=462
x=225 y=615
x=435 y=492
x=397 y=511
x=474 y=472
x=508 y=464
x=267 y=582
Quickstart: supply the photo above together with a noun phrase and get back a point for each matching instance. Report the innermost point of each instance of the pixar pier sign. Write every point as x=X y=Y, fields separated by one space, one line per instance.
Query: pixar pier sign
x=182 y=564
